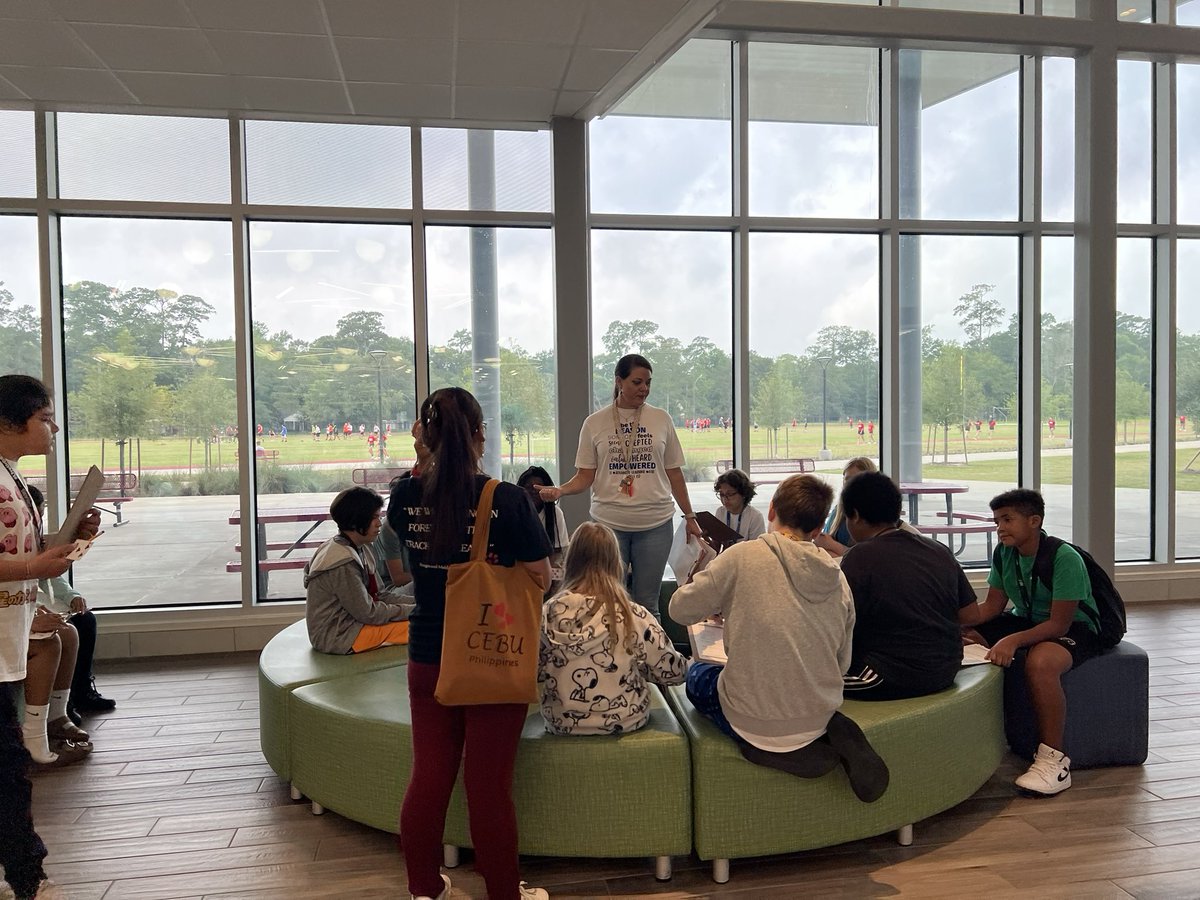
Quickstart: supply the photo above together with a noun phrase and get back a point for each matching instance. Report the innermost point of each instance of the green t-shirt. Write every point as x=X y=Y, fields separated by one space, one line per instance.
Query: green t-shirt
x=1071 y=582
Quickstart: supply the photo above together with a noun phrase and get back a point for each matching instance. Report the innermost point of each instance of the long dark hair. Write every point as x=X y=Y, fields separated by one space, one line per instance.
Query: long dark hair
x=549 y=517
x=450 y=420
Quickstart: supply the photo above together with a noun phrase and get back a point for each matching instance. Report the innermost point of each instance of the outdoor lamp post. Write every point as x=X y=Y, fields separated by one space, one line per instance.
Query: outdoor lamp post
x=824 y=361
x=1070 y=367
x=378 y=356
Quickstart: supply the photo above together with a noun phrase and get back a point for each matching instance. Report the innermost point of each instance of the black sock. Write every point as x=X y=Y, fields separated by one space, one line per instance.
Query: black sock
x=813 y=761
x=865 y=768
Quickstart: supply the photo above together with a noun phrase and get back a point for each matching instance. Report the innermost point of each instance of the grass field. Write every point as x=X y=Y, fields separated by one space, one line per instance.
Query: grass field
x=702 y=448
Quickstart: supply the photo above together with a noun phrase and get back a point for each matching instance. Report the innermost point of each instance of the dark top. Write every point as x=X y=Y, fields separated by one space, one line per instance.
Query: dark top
x=907 y=591
x=516 y=534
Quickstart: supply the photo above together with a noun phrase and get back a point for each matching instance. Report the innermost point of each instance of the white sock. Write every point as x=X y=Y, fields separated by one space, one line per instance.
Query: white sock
x=33 y=730
x=58 y=704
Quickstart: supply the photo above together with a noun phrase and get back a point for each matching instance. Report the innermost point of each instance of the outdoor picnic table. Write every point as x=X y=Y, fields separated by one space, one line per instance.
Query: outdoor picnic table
x=266 y=564
x=915 y=490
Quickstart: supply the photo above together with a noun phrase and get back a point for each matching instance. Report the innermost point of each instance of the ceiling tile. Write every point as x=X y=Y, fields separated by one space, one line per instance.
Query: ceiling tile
x=401 y=101
x=144 y=49
x=280 y=55
x=590 y=70
x=184 y=91
x=68 y=86
x=283 y=16
x=625 y=24
x=387 y=60
x=29 y=9
x=519 y=65
x=126 y=12
x=391 y=18
x=571 y=102
x=9 y=91
x=26 y=42
x=504 y=104
x=546 y=21
x=294 y=95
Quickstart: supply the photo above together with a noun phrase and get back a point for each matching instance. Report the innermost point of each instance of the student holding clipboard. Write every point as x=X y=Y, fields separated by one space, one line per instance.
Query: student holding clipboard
x=27 y=428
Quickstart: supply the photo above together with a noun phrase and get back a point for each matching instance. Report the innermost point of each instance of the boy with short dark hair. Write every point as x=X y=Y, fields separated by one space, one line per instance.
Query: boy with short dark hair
x=343 y=609
x=910 y=597
x=1053 y=632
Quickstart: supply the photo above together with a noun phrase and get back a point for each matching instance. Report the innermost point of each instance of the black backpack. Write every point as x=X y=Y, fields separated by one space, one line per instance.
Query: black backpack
x=1111 y=625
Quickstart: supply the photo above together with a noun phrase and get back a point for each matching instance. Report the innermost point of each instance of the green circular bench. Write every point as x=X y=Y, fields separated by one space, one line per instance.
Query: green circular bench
x=333 y=720
x=940 y=749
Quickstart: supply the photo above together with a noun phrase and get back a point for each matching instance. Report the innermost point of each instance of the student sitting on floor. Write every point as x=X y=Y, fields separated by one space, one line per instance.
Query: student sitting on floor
x=60 y=596
x=1047 y=634
x=343 y=612
x=51 y=738
x=598 y=647
x=910 y=598
x=789 y=617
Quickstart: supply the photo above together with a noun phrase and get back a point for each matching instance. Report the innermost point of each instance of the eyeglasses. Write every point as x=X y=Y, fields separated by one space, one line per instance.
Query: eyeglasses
x=727 y=495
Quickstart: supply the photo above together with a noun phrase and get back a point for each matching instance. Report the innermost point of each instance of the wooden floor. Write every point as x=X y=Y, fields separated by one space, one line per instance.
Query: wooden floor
x=177 y=802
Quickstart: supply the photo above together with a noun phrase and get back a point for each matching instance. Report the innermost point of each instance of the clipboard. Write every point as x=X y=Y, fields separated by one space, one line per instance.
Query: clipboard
x=718 y=535
x=85 y=499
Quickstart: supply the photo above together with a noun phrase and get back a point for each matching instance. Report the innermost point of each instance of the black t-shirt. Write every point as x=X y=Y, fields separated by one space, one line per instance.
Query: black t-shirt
x=516 y=535
x=907 y=594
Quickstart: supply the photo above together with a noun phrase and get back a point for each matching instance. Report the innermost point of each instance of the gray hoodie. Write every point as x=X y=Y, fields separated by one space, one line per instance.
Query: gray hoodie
x=789 y=620
x=338 y=603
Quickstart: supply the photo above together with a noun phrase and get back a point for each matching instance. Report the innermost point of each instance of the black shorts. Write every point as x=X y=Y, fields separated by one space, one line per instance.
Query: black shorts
x=1080 y=641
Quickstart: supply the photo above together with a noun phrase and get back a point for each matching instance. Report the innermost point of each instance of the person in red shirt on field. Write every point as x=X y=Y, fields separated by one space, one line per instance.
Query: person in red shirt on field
x=861 y=428
x=871 y=430
x=1050 y=425
x=991 y=426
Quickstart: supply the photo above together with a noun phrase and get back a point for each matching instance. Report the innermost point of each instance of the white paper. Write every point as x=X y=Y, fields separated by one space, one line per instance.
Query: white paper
x=684 y=554
x=708 y=642
x=85 y=499
x=975 y=655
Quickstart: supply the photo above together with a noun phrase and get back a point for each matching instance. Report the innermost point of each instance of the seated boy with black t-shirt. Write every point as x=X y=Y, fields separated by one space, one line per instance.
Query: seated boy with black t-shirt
x=1049 y=634
x=910 y=599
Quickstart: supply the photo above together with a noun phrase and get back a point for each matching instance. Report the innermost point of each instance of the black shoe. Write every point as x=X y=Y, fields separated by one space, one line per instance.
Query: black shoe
x=73 y=715
x=89 y=700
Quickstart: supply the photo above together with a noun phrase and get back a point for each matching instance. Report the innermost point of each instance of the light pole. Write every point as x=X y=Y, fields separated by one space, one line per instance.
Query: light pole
x=378 y=356
x=824 y=361
x=1070 y=367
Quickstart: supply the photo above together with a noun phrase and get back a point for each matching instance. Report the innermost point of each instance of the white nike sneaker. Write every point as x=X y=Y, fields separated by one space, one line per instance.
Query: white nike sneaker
x=444 y=895
x=1050 y=773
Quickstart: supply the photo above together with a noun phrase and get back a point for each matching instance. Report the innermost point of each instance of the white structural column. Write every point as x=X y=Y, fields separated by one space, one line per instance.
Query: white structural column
x=741 y=255
x=572 y=299
x=1094 y=459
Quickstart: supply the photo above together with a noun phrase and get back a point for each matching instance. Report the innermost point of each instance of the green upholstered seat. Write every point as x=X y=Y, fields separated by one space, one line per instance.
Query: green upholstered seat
x=598 y=795
x=288 y=662
x=939 y=749
x=352 y=753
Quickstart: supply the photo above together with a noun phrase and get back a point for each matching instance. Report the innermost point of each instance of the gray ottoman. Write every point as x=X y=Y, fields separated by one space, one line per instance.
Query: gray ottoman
x=1108 y=710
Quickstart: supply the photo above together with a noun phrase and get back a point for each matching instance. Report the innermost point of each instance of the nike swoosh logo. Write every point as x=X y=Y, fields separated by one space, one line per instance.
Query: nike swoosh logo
x=1064 y=775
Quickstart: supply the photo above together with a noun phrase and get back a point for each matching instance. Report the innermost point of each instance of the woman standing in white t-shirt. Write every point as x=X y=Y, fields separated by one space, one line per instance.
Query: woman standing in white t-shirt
x=629 y=455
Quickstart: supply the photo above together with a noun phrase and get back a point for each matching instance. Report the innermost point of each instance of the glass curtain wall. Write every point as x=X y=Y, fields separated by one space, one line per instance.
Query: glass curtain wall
x=334 y=300
x=983 y=245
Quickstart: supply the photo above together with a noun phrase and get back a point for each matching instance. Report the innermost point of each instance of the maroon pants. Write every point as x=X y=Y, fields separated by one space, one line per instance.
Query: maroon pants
x=490 y=735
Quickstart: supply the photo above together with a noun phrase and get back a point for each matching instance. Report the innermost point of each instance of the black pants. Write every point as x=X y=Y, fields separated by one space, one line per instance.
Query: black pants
x=21 y=850
x=85 y=624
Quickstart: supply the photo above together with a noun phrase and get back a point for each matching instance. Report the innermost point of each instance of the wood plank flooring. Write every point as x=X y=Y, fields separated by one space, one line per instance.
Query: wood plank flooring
x=177 y=802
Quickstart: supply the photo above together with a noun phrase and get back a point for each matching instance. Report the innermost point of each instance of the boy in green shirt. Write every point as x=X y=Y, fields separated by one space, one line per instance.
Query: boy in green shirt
x=1049 y=634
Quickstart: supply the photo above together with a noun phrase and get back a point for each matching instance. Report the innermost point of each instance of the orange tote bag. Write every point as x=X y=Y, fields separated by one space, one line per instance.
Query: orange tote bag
x=491 y=632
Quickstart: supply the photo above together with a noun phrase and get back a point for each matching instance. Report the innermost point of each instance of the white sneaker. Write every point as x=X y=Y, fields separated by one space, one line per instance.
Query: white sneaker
x=444 y=895
x=528 y=893
x=1050 y=773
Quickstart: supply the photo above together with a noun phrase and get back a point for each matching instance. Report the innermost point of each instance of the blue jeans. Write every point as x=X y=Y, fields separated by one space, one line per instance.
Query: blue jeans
x=647 y=552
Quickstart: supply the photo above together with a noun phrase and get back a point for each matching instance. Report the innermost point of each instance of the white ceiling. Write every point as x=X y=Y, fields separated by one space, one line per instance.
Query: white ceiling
x=473 y=61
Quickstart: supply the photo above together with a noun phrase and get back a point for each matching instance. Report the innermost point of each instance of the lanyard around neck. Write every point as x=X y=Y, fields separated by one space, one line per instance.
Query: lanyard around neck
x=21 y=487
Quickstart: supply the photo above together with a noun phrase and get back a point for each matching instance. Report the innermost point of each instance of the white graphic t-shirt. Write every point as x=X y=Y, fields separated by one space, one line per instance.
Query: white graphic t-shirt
x=651 y=451
x=19 y=540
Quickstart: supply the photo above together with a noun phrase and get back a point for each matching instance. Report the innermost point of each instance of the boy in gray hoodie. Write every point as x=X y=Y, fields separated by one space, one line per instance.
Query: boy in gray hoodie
x=343 y=611
x=789 y=622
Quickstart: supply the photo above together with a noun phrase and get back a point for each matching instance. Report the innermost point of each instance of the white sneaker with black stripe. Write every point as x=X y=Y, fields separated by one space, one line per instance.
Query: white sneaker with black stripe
x=1050 y=773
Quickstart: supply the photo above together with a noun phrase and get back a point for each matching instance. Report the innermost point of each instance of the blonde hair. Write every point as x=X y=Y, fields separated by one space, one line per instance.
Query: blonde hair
x=859 y=464
x=594 y=568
